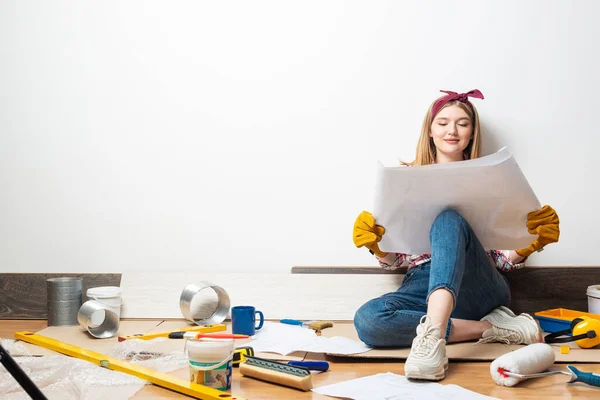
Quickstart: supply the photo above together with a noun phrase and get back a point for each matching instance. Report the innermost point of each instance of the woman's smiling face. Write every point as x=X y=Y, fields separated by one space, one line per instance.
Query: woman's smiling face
x=451 y=131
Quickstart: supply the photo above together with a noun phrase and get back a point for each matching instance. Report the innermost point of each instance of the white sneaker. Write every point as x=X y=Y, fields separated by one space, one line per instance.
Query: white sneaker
x=427 y=359
x=511 y=329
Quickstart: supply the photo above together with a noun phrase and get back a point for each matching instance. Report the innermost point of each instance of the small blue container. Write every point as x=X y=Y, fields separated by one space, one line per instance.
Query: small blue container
x=552 y=325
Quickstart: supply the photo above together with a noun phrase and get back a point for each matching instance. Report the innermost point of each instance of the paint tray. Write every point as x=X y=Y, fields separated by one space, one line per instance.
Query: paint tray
x=559 y=319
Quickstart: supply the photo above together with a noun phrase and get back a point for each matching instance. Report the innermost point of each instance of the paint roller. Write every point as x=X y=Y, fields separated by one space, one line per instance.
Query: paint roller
x=532 y=362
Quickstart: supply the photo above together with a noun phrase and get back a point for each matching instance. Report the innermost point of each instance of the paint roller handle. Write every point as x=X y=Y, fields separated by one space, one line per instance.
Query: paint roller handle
x=311 y=365
x=585 y=377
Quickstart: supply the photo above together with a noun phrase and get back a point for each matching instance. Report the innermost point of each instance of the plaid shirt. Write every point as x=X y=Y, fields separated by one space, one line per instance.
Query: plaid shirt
x=498 y=257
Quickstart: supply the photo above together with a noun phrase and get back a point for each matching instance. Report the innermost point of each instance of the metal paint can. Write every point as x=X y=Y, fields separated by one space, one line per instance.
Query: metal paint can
x=109 y=324
x=64 y=300
x=213 y=307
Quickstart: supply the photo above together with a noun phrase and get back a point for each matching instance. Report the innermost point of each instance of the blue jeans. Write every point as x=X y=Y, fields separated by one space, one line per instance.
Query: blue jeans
x=459 y=264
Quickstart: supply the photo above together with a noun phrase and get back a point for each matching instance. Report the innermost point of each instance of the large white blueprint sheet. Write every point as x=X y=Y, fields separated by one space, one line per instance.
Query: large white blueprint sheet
x=490 y=192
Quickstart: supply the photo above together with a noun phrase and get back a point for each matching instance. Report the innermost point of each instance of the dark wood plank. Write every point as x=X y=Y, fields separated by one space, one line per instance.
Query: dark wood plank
x=23 y=296
x=533 y=289
x=537 y=288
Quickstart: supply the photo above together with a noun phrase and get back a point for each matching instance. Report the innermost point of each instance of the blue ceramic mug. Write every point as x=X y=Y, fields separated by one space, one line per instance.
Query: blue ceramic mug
x=243 y=320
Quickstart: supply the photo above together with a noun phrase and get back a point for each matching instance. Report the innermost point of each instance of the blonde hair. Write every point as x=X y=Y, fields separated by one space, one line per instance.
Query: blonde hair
x=426 y=150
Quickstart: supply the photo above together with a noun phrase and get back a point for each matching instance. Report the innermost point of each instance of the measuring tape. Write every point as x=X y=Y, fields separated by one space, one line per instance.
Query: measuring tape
x=239 y=356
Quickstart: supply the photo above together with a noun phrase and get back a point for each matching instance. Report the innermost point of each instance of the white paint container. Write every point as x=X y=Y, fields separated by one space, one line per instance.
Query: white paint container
x=107 y=295
x=593 y=293
x=210 y=362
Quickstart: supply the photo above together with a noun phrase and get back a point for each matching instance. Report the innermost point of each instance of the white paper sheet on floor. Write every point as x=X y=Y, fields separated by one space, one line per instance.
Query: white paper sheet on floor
x=389 y=386
x=490 y=192
x=285 y=339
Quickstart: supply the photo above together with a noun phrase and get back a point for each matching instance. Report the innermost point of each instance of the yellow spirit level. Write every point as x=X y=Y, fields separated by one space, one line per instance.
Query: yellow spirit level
x=158 y=378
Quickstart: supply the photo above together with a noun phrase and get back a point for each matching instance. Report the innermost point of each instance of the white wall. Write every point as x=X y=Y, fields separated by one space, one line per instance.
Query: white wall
x=243 y=136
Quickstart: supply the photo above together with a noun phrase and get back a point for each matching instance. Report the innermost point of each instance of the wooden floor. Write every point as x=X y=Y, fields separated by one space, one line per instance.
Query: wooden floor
x=474 y=376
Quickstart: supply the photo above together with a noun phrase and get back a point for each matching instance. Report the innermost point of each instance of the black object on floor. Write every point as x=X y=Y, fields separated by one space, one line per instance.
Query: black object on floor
x=20 y=376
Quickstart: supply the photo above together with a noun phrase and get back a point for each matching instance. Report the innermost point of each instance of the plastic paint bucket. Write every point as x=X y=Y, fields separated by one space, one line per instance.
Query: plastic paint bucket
x=593 y=293
x=210 y=362
x=109 y=296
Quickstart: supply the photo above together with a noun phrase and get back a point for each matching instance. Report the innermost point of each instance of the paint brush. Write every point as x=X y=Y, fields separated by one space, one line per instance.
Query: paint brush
x=194 y=335
x=315 y=325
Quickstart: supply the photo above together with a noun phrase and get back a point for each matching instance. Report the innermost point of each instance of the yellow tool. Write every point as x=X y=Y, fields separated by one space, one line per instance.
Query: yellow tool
x=147 y=374
x=149 y=336
x=239 y=356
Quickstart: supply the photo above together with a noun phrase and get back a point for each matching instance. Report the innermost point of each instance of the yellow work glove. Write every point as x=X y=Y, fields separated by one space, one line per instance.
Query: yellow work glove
x=366 y=233
x=544 y=223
